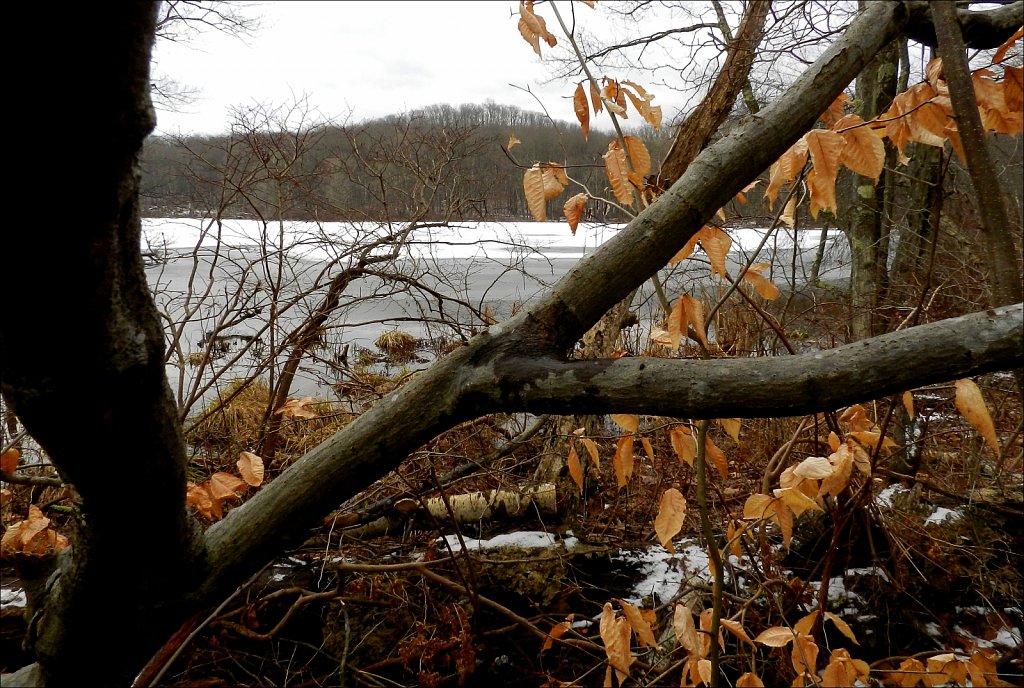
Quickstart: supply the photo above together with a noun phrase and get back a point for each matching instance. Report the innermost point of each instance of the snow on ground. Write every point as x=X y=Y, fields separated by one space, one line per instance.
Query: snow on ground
x=12 y=598
x=527 y=539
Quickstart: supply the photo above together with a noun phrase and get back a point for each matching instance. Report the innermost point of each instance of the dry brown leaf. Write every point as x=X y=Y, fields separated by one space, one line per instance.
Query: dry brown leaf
x=784 y=519
x=250 y=467
x=716 y=245
x=512 y=141
x=749 y=680
x=683 y=443
x=573 y=210
x=825 y=148
x=864 y=152
x=971 y=403
x=1013 y=88
x=556 y=632
x=297 y=408
x=857 y=418
x=199 y=497
x=785 y=169
x=639 y=157
x=732 y=427
x=638 y=623
x=225 y=486
x=591 y=447
x=736 y=628
x=693 y=311
x=758 y=506
x=1007 y=44
x=776 y=636
x=616 y=170
x=833 y=441
x=796 y=500
x=717 y=457
x=622 y=462
x=685 y=251
x=814 y=467
x=907 y=674
x=788 y=216
x=648 y=449
x=842 y=626
x=834 y=113
x=908 y=404
x=595 y=98
x=575 y=468
x=670 y=518
x=532 y=27
x=805 y=655
x=765 y=288
x=9 y=460
x=582 y=109
x=685 y=630
x=629 y=422
x=615 y=634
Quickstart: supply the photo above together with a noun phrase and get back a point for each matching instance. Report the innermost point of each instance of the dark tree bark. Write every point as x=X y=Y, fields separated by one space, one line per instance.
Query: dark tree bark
x=104 y=412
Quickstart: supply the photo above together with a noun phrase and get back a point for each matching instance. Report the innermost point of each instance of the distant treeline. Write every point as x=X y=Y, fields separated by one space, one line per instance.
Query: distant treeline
x=435 y=163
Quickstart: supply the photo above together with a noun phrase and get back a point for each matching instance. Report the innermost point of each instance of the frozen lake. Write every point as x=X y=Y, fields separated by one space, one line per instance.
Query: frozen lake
x=196 y=268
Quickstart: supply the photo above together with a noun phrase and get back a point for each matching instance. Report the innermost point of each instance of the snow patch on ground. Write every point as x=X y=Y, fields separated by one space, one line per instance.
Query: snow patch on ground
x=664 y=573
x=527 y=539
x=12 y=598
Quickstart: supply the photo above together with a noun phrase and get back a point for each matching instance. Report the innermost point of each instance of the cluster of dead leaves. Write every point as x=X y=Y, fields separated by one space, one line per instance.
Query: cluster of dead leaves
x=979 y=669
x=208 y=497
x=922 y=114
x=32 y=536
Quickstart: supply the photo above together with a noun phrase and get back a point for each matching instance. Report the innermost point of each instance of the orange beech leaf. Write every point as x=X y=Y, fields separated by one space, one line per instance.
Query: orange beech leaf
x=1007 y=44
x=950 y=666
x=758 y=506
x=573 y=210
x=987 y=91
x=842 y=626
x=685 y=630
x=734 y=534
x=736 y=628
x=671 y=514
x=532 y=27
x=638 y=623
x=805 y=655
x=765 y=288
x=907 y=674
x=541 y=183
x=842 y=462
x=796 y=500
x=749 y=680
x=614 y=98
x=716 y=245
x=814 y=467
x=732 y=427
x=225 y=486
x=933 y=71
x=639 y=157
x=512 y=141
x=683 y=443
x=623 y=460
x=971 y=404
x=788 y=216
x=685 y=251
x=595 y=98
x=871 y=438
x=648 y=449
x=825 y=148
x=9 y=460
x=908 y=404
x=29 y=536
x=842 y=670
x=615 y=634
x=641 y=105
x=575 y=468
x=833 y=441
x=776 y=636
x=250 y=467
x=1013 y=88
x=857 y=418
x=693 y=310
x=835 y=111
x=616 y=170
x=297 y=408
x=629 y=422
x=785 y=169
x=717 y=457
x=591 y=449
x=556 y=632
x=582 y=109
x=784 y=519
x=199 y=497
x=864 y=152
x=806 y=623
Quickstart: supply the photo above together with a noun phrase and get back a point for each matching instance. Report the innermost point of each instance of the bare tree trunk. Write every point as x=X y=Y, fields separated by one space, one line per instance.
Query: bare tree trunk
x=865 y=201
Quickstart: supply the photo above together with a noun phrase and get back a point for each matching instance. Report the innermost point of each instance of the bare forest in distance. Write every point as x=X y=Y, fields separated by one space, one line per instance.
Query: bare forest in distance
x=335 y=173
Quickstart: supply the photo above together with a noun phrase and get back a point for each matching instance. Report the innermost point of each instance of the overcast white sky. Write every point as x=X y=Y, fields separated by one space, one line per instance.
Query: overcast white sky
x=367 y=58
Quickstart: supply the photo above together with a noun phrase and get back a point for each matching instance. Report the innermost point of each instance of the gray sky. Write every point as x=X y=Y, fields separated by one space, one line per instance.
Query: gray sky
x=365 y=59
